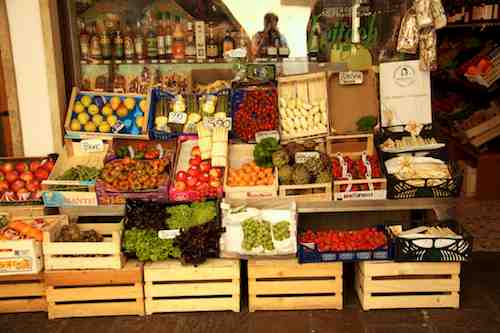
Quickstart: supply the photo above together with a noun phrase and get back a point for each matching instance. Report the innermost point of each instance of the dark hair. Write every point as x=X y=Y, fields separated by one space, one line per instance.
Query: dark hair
x=270 y=16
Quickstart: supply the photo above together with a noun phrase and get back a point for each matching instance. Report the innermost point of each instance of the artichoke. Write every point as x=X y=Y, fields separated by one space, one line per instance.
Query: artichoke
x=285 y=175
x=300 y=175
x=280 y=158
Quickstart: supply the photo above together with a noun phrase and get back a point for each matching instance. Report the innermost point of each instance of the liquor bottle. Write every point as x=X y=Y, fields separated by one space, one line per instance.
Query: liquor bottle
x=160 y=38
x=105 y=44
x=151 y=43
x=128 y=43
x=168 y=37
x=242 y=41
x=314 y=40
x=228 y=43
x=95 y=44
x=139 y=42
x=118 y=45
x=190 y=42
x=84 y=42
x=212 y=48
x=178 y=45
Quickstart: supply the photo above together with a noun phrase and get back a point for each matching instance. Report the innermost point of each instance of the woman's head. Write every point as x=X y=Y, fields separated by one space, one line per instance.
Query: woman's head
x=270 y=19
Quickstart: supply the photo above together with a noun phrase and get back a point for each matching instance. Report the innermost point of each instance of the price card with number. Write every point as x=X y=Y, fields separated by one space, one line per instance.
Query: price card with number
x=212 y=122
x=92 y=146
x=177 y=117
x=303 y=156
x=259 y=136
x=168 y=234
x=350 y=78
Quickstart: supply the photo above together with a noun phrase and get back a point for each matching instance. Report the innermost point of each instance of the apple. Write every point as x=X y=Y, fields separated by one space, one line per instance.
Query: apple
x=195 y=161
x=11 y=176
x=27 y=176
x=196 y=151
x=4 y=186
x=194 y=171
x=23 y=194
x=42 y=174
x=36 y=195
x=7 y=167
x=33 y=186
x=191 y=181
x=22 y=167
x=17 y=185
x=181 y=176
x=215 y=173
x=205 y=166
x=180 y=186
x=48 y=165
x=205 y=177
x=34 y=165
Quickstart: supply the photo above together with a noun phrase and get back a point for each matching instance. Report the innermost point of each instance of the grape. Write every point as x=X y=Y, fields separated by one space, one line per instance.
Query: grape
x=256 y=233
x=281 y=230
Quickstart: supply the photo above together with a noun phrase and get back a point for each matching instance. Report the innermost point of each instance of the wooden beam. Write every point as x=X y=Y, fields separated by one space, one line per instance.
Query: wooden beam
x=7 y=63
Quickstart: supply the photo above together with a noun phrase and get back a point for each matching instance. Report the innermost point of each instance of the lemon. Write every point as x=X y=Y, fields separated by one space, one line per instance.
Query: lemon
x=78 y=107
x=90 y=127
x=107 y=110
x=83 y=118
x=122 y=112
x=104 y=127
x=93 y=109
x=129 y=103
x=139 y=121
x=143 y=105
x=97 y=119
x=75 y=125
x=112 y=120
x=86 y=100
x=115 y=102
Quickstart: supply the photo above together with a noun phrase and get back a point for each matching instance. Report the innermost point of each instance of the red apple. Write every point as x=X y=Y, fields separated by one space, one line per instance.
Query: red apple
x=7 y=167
x=11 y=176
x=4 y=186
x=215 y=173
x=36 y=195
x=42 y=174
x=195 y=161
x=33 y=186
x=34 y=165
x=181 y=175
x=205 y=177
x=27 y=176
x=17 y=185
x=23 y=194
x=180 y=186
x=191 y=181
x=22 y=167
x=196 y=151
x=205 y=166
x=48 y=165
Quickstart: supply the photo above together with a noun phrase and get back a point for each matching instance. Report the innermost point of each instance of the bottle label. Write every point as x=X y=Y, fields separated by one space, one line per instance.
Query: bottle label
x=84 y=47
x=161 y=45
x=139 y=47
x=212 y=51
x=228 y=46
x=152 y=47
x=272 y=51
x=168 y=44
x=129 y=47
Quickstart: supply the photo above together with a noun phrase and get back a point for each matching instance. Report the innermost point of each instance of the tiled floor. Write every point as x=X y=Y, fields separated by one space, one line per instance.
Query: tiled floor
x=479 y=312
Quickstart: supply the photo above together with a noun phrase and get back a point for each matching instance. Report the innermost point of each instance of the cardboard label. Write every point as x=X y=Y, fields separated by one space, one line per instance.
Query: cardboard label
x=168 y=234
x=177 y=117
x=350 y=78
x=302 y=157
x=259 y=136
x=116 y=128
x=212 y=122
x=92 y=146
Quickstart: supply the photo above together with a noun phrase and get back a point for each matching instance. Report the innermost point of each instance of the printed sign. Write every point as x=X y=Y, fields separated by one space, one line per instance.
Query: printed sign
x=177 y=117
x=211 y=122
x=168 y=234
x=350 y=78
x=259 y=136
x=302 y=157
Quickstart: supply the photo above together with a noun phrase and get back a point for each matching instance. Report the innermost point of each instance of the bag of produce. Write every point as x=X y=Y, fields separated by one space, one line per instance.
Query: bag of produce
x=252 y=232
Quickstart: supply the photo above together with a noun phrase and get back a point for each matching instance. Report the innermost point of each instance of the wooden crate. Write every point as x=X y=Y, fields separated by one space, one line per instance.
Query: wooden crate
x=22 y=210
x=305 y=193
x=22 y=293
x=107 y=254
x=391 y=285
x=211 y=286
x=240 y=154
x=309 y=88
x=288 y=285
x=89 y=293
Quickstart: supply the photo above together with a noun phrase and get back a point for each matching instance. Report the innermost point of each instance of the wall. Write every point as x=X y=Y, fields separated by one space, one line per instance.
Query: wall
x=31 y=76
x=292 y=20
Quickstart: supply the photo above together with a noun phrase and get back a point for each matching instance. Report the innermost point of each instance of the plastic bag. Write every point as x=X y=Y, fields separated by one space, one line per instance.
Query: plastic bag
x=408 y=34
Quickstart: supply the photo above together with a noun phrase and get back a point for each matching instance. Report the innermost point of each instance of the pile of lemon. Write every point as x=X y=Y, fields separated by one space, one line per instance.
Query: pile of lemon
x=90 y=118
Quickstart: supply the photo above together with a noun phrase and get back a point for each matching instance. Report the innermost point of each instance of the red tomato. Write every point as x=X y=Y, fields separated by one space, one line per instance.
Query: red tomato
x=205 y=177
x=191 y=181
x=195 y=161
x=215 y=183
x=180 y=186
x=215 y=173
x=194 y=171
x=196 y=151
x=205 y=166
x=181 y=175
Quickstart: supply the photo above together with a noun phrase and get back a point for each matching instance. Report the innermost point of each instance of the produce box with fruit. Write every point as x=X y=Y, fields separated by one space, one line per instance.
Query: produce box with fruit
x=340 y=245
x=195 y=177
x=21 y=179
x=72 y=182
x=244 y=179
x=259 y=232
x=356 y=170
x=254 y=109
x=107 y=114
x=21 y=243
x=136 y=170
x=303 y=106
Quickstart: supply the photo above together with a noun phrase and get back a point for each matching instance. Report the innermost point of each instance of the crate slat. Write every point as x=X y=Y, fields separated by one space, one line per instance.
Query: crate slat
x=23 y=305
x=191 y=305
x=97 y=309
x=22 y=293
x=188 y=289
x=288 y=268
x=294 y=287
x=22 y=289
x=93 y=293
x=304 y=193
x=302 y=303
x=384 y=268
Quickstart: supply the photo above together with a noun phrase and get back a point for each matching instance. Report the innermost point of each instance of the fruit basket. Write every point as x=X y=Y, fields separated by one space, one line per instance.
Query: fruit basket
x=21 y=179
x=332 y=245
x=195 y=178
x=107 y=114
x=254 y=109
x=72 y=182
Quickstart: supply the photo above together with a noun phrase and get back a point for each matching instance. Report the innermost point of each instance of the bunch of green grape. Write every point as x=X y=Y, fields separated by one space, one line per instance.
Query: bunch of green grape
x=281 y=230
x=255 y=234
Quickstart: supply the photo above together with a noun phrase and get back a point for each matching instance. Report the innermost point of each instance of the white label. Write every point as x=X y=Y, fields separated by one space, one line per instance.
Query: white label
x=259 y=136
x=349 y=78
x=117 y=127
x=92 y=146
x=303 y=156
x=168 y=234
x=212 y=122
x=177 y=117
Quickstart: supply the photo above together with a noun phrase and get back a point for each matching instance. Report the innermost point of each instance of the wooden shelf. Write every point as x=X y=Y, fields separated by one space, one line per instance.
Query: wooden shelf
x=473 y=24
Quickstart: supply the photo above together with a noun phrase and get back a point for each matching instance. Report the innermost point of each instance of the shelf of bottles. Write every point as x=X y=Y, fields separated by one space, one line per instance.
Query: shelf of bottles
x=472 y=13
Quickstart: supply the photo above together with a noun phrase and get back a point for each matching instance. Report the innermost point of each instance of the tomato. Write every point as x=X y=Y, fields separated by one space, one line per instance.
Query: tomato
x=195 y=161
x=181 y=176
x=196 y=151
x=205 y=177
x=215 y=183
x=215 y=173
x=194 y=171
x=191 y=181
x=180 y=186
x=205 y=166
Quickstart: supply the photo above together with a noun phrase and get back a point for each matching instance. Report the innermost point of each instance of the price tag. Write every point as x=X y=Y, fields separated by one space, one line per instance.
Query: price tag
x=259 y=136
x=92 y=146
x=116 y=128
x=349 y=187
x=212 y=122
x=177 y=117
x=168 y=234
x=350 y=78
x=302 y=157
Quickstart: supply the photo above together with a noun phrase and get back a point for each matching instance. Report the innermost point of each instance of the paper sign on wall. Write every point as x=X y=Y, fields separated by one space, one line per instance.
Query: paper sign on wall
x=405 y=94
x=92 y=146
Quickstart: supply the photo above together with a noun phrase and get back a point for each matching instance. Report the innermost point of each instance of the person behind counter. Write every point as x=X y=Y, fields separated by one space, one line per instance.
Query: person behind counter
x=270 y=43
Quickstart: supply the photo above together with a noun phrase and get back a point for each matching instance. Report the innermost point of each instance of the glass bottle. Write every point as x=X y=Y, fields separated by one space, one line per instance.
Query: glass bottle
x=272 y=48
x=168 y=36
x=95 y=44
x=314 y=40
x=178 y=45
x=128 y=43
x=160 y=38
x=84 y=42
x=118 y=45
x=212 y=48
x=228 y=43
x=190 y=42
x=139 y=42
x=151 y=43
x=105 y=44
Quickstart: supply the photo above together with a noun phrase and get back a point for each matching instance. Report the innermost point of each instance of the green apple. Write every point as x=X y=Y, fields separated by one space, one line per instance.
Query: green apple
x=93 y=109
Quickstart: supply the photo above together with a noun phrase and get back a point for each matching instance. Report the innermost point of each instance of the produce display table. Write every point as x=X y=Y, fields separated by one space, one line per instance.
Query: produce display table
x=22 y=293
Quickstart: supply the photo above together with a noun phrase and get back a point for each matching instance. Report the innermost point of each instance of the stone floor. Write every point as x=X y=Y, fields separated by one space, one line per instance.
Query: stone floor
x=479 y=312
